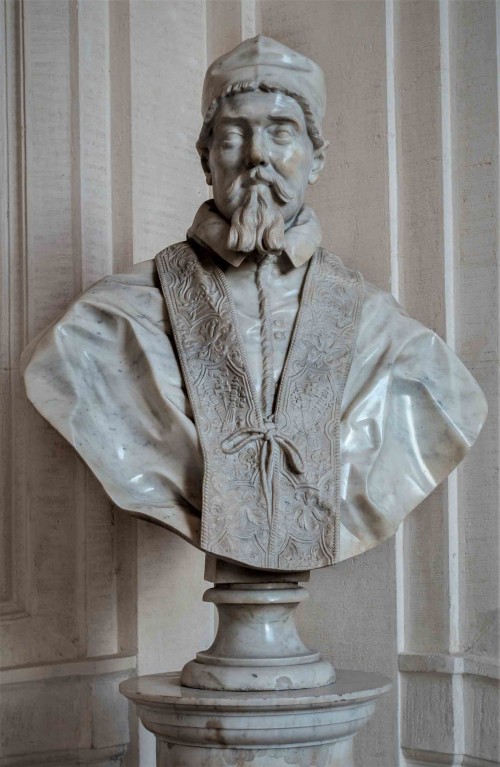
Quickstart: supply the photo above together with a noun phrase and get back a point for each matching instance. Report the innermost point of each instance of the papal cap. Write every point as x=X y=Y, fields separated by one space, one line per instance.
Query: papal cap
x=263 y=60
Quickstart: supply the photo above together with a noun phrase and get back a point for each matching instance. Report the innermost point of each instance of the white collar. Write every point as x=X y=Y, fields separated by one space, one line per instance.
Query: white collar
x=210 y=229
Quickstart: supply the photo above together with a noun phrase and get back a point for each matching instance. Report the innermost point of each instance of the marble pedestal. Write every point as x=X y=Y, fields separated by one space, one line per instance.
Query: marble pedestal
x=257 y=646
x=258 y=695
x=205 y=728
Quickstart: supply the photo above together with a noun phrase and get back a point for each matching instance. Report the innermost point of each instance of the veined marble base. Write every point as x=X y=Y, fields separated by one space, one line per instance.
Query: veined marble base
x=257 y=646
x=306 y=728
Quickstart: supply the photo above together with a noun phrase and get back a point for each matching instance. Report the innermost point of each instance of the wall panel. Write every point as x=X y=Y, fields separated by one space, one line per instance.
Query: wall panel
x=421 y=269
x=13 y=538
x=476 y=181
x=166 y=39
x=122 y=216
x=224 y=27
x=44 y=467
x=448 y=192
x=482 y=714
x=65 y=715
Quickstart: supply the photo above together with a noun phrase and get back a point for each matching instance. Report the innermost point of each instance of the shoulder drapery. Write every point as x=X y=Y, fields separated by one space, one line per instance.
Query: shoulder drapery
x=106 y=375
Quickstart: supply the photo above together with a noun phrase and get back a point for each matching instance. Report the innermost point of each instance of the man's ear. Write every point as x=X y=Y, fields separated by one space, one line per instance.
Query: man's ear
x=205 y=164
x=318 y=163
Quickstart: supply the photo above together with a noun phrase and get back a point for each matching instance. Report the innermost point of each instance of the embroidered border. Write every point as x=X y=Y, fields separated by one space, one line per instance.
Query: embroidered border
x=271 y=489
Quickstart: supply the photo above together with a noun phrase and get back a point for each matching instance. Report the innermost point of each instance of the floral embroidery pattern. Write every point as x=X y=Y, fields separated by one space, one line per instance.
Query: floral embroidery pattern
x=310 y=511
x=271 y=487
x=214 y=335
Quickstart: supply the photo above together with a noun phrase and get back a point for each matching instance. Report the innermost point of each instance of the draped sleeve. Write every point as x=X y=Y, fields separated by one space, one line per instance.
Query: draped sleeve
x=107 y=378
x=410 y=412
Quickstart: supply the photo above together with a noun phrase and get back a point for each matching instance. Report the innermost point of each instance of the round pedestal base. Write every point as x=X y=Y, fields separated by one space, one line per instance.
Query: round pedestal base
x=257 y=646
x=306 y=728
x=294 y=677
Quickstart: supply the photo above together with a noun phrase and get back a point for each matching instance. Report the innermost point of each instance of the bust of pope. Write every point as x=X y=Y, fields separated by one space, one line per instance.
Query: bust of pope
x=245 y=388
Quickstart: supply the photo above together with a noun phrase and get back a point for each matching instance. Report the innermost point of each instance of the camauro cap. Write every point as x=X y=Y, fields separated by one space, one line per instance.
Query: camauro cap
x=263 y=60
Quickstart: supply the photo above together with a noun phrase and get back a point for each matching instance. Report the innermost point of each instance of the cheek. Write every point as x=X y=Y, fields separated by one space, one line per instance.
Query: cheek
x=224 y=164
x=295 y=165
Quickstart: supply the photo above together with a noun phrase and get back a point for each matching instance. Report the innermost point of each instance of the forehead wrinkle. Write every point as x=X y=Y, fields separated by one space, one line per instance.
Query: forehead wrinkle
x=253 y=101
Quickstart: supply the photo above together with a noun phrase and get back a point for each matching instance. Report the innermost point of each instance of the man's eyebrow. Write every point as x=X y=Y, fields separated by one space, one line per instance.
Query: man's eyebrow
x=230 y=120
x=284 y=119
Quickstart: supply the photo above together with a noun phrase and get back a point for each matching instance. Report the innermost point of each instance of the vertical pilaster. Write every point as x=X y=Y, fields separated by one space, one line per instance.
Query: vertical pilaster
x=448 y=177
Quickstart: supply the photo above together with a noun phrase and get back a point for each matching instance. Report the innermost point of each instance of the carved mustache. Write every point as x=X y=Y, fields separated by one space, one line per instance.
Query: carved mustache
x=278 y=187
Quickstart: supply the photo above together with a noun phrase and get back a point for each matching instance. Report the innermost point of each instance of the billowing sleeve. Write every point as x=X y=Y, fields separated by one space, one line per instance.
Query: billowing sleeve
x=107 y=378
x=411 y=411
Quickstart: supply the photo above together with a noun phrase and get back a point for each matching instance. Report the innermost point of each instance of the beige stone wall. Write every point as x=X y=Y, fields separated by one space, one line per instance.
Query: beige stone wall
x=100 y=114
x=99 y=117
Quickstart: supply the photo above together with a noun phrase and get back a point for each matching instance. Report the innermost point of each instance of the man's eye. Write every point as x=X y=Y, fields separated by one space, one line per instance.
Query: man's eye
x=229 y=138
x=282 y=134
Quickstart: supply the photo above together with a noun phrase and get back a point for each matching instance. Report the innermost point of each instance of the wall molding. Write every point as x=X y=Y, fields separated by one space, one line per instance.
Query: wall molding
x=421 y=758
x=112 y=664
x=445 y=663
x=98 y=757
x=66 y=714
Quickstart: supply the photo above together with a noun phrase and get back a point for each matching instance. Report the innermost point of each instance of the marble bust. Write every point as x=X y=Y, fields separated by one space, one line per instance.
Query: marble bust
x=246 y=389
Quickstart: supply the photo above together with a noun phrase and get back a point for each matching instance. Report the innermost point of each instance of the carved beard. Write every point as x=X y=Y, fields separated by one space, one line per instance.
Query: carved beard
x=258 y=223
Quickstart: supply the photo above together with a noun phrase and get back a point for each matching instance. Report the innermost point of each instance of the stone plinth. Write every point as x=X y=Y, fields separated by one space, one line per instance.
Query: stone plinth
x=257 y=646
x=306 y=728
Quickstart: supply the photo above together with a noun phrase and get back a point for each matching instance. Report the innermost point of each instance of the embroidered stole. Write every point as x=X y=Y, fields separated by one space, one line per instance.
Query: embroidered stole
x=271 y=487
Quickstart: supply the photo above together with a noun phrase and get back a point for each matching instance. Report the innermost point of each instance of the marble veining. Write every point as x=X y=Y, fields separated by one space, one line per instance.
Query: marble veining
x=310 y=728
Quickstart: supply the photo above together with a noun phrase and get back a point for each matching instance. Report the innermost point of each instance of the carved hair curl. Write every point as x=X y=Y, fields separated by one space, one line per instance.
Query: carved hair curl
x=249 y=87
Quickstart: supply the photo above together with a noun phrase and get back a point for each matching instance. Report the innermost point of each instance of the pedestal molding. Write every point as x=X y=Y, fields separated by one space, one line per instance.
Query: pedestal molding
x=203 y=727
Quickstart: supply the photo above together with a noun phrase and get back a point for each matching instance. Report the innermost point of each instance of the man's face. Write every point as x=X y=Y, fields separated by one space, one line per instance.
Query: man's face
x=260 y=140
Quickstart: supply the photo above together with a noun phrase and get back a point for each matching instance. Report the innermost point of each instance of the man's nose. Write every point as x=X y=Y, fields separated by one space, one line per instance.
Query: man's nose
x=256 y=150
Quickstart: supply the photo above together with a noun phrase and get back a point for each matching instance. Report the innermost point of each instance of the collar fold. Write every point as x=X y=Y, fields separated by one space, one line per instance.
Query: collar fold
x=211 y=230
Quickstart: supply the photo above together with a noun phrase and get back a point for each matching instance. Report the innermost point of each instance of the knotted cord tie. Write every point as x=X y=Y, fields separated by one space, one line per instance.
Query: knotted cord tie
x=268 y=437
